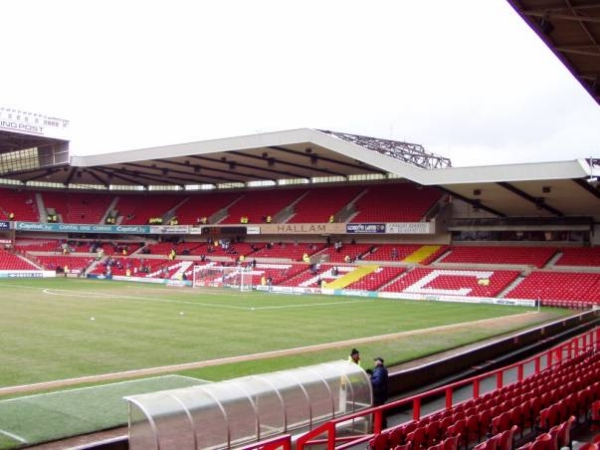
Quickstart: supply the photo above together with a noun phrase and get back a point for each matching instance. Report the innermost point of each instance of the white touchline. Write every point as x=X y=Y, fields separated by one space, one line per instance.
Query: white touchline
x=91 y=388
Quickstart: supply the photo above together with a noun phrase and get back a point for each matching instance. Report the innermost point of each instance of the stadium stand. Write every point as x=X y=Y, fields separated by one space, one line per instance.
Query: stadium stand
x=579 y=257
x=68 y=264
x=343 y=253
x=77 y=207
x=533 y=256
x=22 y=204
x=319 y=205
x=405 y=202
x=470 y=283
x=10 y=261
x=279 y=273
x=292 y=251
x=256 y=206
x=565 y=289
x=513 y=221
x=540 y=411
x=405 y=253
x=376 y=279
x=134 y=209
x=206 y=206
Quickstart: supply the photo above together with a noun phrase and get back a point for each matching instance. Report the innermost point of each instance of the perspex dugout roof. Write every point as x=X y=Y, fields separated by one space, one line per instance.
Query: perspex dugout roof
x=249 y=409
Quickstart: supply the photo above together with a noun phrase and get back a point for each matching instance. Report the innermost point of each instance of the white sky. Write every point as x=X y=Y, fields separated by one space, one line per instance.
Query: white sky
x=466 y=79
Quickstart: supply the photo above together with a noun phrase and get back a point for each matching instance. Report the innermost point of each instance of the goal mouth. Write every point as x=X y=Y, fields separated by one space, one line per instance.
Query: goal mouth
x=215 y=276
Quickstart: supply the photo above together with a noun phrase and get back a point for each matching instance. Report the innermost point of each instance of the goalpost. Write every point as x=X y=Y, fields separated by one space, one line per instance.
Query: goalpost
x=223 y=276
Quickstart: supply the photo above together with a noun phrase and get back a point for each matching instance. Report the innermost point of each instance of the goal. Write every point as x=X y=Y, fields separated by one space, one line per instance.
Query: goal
x=223 y=276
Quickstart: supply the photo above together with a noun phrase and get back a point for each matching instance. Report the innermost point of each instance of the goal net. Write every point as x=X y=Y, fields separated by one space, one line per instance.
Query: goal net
x=222 y=276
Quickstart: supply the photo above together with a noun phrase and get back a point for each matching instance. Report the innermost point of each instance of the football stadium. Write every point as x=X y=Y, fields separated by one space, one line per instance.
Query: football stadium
x=208 y=295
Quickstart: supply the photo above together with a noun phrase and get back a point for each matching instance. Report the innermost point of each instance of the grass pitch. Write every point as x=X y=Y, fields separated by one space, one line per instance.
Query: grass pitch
x=54 y=329
x=57 y=329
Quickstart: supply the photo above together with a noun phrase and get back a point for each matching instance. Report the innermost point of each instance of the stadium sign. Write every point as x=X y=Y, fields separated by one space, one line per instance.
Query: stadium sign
x=4 y=225
x=302 y=228
x=27 y=274
x=409 y=228
x=75 y=228
x=169 y=229
x=253 y=230
x=24 y=122
x=365 y=228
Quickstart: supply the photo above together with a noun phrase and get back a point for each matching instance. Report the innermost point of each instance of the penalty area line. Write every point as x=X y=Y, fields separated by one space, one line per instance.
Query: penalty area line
x=13 y=436
x=108 y=296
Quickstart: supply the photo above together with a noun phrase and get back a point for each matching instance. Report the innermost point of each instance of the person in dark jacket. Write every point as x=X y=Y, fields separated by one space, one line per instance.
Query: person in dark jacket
x=379 y=382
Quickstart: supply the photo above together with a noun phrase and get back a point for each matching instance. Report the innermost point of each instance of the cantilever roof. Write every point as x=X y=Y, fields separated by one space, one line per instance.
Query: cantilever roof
x=292 y=154
x=551 y=189
x=571 y=29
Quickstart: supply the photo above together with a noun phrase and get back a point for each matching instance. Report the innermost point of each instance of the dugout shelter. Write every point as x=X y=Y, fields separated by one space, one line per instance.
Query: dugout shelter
x=249 y=409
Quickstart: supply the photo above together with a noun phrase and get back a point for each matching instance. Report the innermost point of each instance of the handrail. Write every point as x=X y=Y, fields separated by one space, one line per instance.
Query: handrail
x=553 y=356
x=283 y=442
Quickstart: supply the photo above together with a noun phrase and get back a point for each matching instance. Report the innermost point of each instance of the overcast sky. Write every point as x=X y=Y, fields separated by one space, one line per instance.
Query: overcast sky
x=466 y=79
